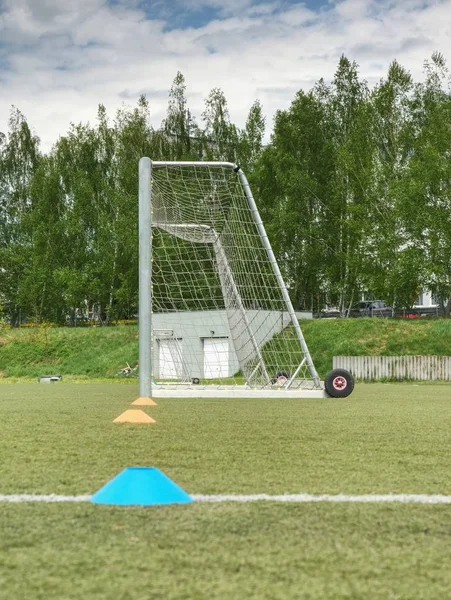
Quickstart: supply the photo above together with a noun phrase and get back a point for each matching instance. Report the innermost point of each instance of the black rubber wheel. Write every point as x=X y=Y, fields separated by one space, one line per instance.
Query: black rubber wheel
x=339 y=383
x=280 y=374
x=196 y=380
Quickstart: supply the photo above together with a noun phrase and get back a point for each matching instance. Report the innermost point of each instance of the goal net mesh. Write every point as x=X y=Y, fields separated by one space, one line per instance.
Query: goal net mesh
x=213 y=285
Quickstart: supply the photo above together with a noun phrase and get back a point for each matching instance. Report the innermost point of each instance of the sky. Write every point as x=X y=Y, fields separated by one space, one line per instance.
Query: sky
x=60 y=58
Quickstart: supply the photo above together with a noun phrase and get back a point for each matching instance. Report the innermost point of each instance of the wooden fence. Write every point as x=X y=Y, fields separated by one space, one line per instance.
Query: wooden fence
x=416 y=368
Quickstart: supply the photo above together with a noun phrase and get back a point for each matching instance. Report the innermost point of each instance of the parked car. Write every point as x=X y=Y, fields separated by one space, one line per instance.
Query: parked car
x=371 y=308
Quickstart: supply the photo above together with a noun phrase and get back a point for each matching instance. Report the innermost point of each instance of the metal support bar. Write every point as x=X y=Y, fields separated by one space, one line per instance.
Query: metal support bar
x=145 y=278
x=278 y=274
x=158 y=164
x=227 y=280
x=253 y=373
x=293 y=377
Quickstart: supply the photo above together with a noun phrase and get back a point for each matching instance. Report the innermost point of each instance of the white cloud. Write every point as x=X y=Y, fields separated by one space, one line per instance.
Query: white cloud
x=64 y=58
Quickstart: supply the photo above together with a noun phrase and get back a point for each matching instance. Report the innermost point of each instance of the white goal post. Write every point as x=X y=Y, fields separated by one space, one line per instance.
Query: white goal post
x=208 y=274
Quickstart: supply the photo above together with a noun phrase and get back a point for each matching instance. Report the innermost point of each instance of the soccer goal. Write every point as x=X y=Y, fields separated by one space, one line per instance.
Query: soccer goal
x=215 y=316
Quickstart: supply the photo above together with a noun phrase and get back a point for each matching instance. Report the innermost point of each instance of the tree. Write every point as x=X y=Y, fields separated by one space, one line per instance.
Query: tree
x=220 y=134
x=19 y=159
x=347 y=224
x=424 y=191
x=251 y=138
x=291 y=181
x=183 y=137
x=397 y=267
x=315 y=179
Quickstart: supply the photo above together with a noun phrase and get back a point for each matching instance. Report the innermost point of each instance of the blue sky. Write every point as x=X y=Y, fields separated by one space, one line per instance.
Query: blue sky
x=59 y=60
x=182 y=15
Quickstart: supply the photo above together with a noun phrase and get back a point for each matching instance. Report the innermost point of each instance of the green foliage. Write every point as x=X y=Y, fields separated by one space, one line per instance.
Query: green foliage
x=19 y=161
x=424 y=188
x=353 y=189
x=68 y=226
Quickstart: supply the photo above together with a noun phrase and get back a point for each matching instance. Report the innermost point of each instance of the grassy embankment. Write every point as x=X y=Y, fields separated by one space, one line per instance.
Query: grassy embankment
x=102 y=352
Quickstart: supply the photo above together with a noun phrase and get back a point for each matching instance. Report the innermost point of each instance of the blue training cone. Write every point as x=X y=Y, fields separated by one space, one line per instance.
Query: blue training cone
x=143 y=486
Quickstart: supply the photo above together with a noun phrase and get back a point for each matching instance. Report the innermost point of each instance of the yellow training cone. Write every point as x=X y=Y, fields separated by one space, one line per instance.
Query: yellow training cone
x=144 y=401
x=134 y=416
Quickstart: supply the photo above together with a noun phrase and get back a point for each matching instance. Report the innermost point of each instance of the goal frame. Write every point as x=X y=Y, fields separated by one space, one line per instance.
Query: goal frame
x=147 y=387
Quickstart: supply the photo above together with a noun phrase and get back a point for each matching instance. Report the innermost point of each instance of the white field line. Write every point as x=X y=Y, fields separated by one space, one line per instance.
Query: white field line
x=337 y=499
x=37 y=498
x=294 y=498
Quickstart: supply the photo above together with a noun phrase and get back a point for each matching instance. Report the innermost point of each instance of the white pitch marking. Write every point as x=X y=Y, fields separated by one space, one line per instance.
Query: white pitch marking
x=338 y=498
x=294 y=498
x=49 y=498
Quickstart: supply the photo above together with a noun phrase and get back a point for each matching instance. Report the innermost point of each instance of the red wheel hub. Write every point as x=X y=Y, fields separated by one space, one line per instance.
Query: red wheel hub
x=339 y=383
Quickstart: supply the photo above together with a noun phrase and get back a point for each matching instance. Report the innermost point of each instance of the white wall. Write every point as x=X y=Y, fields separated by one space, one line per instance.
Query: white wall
x=192 y=327
x=425 y=300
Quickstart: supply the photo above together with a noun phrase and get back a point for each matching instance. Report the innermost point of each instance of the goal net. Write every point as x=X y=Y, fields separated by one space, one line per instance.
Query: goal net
x=216 y=286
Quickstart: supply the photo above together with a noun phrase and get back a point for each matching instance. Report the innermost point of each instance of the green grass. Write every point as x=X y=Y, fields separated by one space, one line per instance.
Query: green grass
x=375 y=337
x=101 y=352
x=82 y=352
x=382 y=439
x=262 y=552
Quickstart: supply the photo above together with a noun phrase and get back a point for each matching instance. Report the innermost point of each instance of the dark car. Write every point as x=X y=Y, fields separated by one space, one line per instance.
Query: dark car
x=371 y=308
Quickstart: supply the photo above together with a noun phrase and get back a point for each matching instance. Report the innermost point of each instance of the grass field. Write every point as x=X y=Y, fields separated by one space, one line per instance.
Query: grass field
x=60 y=439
